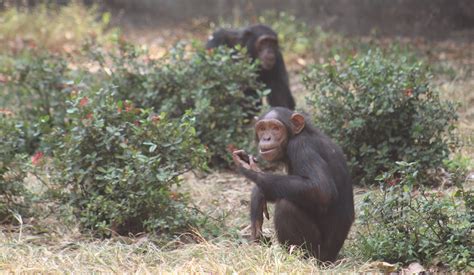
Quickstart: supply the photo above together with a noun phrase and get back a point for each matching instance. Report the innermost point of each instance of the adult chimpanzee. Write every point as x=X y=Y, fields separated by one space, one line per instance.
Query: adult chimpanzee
x=314 y=202
x=262 y=44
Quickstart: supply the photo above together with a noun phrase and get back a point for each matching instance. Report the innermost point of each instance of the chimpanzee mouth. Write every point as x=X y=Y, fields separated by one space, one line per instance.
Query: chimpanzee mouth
x=267 y=150
x=268 y=67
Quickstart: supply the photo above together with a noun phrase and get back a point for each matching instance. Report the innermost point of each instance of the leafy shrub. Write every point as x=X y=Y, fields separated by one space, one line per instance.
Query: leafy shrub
x=210 y=83
x=36 y=87
x=56 y=28
x=119 y=166
x=381 y=109
x=458 y=168
x=403 y=224
x=14 y=197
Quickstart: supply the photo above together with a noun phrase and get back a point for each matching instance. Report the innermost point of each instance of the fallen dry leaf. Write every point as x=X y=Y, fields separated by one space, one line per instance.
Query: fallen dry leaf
x=414 y=268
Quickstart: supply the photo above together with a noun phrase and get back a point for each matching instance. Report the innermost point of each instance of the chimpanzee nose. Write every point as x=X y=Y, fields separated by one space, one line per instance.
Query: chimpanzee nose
x=267 y=138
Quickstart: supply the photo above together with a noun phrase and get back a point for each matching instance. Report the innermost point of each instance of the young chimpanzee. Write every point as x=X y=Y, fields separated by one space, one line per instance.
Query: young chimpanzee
x=262 y=44
x=314 y=202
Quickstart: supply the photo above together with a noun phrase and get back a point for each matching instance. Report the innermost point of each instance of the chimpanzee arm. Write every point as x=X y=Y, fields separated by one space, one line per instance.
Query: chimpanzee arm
x=277 y=81
x=258 y=208
x=289 y=97
x=316 y=184
x=282 y=72
x=280 y=95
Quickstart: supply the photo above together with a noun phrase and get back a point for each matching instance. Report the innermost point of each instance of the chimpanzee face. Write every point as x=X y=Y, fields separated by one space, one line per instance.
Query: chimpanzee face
x=267 y=47
x=273 y=135
x=272 y=139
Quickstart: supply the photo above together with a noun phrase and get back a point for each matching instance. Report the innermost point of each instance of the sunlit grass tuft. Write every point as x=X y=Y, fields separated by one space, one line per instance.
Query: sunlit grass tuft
x=143 y=256
x=62 y=28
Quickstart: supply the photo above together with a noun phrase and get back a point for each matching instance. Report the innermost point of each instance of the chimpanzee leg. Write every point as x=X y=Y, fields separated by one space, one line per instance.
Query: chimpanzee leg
x=294 y=227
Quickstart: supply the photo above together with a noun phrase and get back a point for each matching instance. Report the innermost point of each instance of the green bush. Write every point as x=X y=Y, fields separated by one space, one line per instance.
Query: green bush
x=14 y=197
x=38 y=85
x=36 y=88
x=458 y=168
x=380 y=108
x=119 y=166
x=401 y=224
x=210 y=83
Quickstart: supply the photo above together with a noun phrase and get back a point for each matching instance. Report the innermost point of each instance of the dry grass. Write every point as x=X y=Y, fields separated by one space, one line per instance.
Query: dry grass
x=222 y=193
x=61 y=249
x=143 y=256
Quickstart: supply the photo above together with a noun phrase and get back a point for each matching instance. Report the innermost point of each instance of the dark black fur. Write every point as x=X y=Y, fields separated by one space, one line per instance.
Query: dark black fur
x=228 y=38
x=314 y=202
x=275 y=79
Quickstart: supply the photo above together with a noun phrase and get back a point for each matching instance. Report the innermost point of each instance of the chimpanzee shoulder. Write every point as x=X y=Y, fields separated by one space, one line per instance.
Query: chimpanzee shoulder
x=223 y=37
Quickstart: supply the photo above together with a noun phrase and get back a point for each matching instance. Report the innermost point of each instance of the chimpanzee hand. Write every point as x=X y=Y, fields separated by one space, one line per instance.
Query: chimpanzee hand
x=240 y=159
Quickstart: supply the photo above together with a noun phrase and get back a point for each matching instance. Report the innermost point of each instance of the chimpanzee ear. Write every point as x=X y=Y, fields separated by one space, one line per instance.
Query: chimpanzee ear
x=298 y=123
